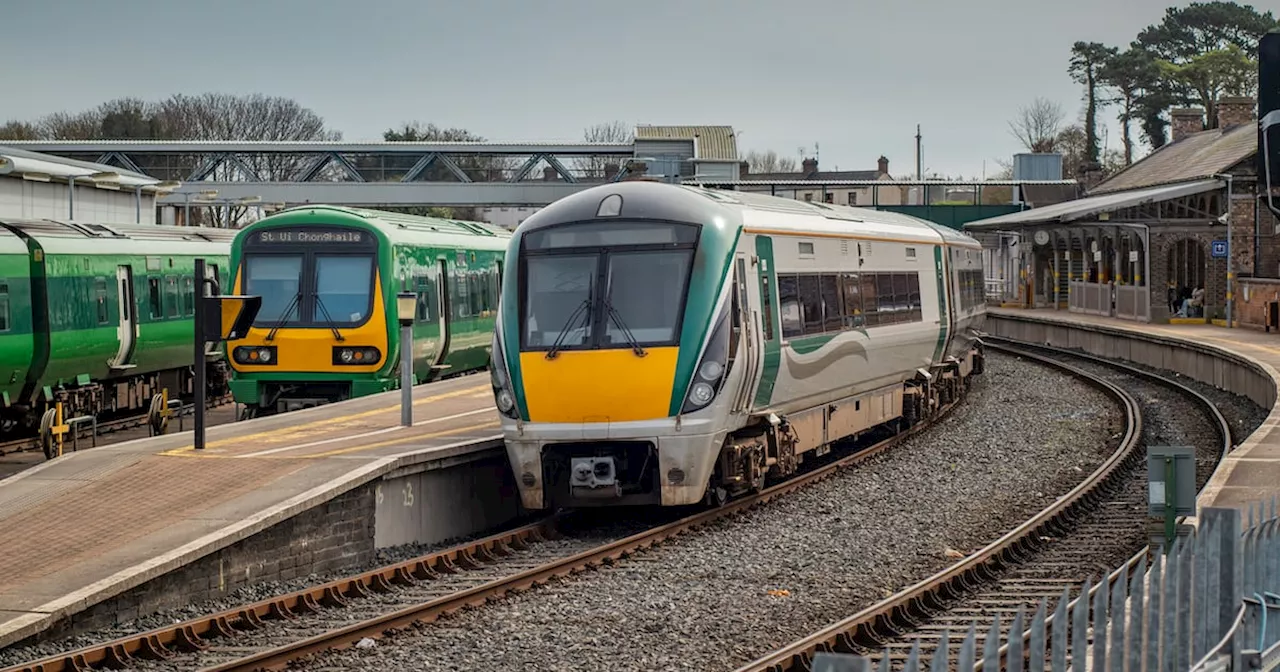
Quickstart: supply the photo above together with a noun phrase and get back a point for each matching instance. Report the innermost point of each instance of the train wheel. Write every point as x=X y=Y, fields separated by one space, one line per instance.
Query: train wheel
x=157 y=419
x=716 y=496
x=47 y=443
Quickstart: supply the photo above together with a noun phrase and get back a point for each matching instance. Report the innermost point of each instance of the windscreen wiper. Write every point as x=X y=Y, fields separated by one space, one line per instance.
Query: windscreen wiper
x=626 y=333
x=337 y=335
x=569 y=324
x=284 y=317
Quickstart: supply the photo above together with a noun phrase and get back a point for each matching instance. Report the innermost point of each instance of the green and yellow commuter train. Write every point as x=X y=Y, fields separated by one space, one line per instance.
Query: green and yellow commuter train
x=98 y=318
x=328 y=326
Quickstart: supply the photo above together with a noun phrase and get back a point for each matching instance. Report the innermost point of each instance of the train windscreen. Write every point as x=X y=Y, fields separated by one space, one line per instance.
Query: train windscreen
x=315 y=277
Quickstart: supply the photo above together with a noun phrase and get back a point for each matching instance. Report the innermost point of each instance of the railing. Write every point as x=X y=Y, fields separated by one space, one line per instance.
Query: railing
x=1211 y=604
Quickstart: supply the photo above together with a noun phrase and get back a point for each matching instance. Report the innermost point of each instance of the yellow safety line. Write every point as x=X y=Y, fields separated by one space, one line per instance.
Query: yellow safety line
x=234 y=440
x=341 y=451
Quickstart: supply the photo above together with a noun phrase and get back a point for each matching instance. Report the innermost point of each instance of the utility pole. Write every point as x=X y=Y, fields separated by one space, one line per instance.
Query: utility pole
x=919 y=172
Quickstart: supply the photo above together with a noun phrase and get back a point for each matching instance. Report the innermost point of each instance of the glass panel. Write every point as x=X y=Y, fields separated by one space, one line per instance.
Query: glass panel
x=789 y=305
x=153 y=291
x=171 y=296
x=811 y=304
x=884 y=295
x=558 y=290
x=344 y=287
x=833 y=315
x=852 y=300
x=646 y=291
x=277 y=279
x=603 y=234
x=766 y=307
x=4 y=306
x=100 y=298
x=870 y=299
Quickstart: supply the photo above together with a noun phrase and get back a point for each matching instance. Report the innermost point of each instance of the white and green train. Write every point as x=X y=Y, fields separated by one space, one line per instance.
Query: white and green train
x=662 y=344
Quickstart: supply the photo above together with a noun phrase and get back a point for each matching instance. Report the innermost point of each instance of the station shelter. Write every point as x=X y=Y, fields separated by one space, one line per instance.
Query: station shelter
x=1141 y=243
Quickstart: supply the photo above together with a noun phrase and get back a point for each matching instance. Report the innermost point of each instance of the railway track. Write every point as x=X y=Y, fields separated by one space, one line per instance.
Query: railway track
x=271 y=633
x=1066 y=549
x=87 y=432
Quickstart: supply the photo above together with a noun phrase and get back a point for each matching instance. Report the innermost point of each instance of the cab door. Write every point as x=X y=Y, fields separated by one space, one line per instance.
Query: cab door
x=127 y=324
x=745 y=340
x=443 y=318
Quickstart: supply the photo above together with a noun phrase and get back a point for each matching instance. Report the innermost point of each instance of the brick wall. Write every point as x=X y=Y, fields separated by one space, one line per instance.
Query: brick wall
x=333 y=536
x=1254 y=294
x=1215 y=275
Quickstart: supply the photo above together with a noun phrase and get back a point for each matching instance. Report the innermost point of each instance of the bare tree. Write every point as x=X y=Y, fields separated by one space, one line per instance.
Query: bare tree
x=1037 y=125
x=769 y=162
x=592 y=167
x=19 y=130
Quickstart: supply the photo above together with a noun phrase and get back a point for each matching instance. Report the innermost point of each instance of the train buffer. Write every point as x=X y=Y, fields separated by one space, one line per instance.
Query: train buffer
x=54 y=428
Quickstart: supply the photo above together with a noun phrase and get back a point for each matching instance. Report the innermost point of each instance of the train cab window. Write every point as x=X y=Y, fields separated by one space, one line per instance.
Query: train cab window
x=172 y=302
x=154 y=299
x=646 y=292
x=100 y=300
x=4 y=306
x=344 y=288
x=832 y=316
x=558 y=292
x=789 y=306
x=852 y=300
x=277 y=278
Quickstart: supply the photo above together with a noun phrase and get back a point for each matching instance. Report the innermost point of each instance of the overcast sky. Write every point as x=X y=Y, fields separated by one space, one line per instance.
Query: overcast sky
x=853 y=76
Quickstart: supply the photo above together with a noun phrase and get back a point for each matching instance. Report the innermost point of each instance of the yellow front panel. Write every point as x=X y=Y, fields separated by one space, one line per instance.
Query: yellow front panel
x=310 y=350
x=598 y=385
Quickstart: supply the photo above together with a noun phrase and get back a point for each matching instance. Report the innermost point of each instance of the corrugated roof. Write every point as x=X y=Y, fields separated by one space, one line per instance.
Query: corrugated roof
x=1085 y=207
x=88 y=167
x=1196 y=156
x=716 y=143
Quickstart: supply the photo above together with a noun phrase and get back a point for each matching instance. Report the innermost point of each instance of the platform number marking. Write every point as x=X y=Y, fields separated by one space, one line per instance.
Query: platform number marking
x=408 y=493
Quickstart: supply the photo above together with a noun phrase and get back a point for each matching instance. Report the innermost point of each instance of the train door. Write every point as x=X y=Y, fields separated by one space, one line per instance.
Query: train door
x=767 y=322
x=445 y=313
x=744 y=343
x=127 y=326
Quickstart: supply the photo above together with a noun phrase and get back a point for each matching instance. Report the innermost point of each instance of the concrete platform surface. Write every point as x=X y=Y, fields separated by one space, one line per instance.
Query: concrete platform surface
x=92 y=524
x=1251 y=473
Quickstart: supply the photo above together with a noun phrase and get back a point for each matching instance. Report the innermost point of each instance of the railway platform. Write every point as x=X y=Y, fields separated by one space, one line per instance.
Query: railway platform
x=91 y=525
x=1251 y=472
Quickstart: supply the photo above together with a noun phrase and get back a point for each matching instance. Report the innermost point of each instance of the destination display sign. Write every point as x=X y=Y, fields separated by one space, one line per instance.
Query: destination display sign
x=314 y=236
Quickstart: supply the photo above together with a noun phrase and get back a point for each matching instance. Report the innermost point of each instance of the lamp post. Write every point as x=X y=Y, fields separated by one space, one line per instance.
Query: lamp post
x=406 y=304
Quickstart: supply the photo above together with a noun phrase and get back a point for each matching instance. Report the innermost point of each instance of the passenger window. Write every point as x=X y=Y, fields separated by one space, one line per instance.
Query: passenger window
x=870 y=300
x=422 y=287
x=100 y=299
x=153 y=296
x=4 y=306
x=188 y=295
x=833 y=315
x=789 y=306
x=902 y=296
x=171 y=302
x=913 y=283
x=852 y=300
x=811 y=304
x=884 y=295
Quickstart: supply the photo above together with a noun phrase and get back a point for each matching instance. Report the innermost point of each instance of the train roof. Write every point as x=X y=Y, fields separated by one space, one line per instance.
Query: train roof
x=397 y=227
x=59 y=237
x=728 y=211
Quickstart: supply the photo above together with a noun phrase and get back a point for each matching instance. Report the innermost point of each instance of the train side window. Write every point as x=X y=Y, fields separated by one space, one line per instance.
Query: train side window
x=738 y=302
x=100 y=299
x=902 y=296
x=188 y=295
x=766 y=306
x=171 y=302
x=811 y=304
x=832 y=313
x=463 y=294
x=4 y=306
x=885 y=304
x=153 y=297
x=852 y=300
x=917 y=308
x=789 y=306
x=870 y=300
x=422 y=287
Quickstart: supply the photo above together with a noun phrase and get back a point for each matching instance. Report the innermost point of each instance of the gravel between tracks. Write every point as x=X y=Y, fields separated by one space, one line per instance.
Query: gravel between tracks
x=719 y=598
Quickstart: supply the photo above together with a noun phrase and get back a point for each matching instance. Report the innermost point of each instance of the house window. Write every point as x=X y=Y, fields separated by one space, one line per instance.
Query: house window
x=853 y=198
x=808 y=197
x=829 y=198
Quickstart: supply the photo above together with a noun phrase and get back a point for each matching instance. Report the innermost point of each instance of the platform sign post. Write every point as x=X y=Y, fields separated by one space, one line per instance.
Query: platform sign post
x=218 y=318
x=406 y=305
x=1171 y=481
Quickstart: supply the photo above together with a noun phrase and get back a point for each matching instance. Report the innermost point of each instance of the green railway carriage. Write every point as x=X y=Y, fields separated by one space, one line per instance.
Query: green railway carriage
x=97 y=317
x=663 y=344
x=329 y=276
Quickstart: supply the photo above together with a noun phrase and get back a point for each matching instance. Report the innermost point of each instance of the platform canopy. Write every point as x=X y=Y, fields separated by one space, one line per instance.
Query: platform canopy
x=1082 y=208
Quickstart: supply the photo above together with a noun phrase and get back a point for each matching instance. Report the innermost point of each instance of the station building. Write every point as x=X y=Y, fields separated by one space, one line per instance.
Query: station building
x=43 y=186
x=1143 y=239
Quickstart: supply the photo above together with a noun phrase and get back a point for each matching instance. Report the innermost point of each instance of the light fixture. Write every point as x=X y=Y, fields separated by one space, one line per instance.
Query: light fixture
x=406 y=304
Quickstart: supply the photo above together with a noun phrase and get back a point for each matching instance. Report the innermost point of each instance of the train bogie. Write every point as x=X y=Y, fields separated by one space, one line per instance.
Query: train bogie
x=669 y=345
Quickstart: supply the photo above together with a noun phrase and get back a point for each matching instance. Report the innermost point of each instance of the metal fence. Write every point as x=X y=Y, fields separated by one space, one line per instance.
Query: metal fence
x=1211 y=603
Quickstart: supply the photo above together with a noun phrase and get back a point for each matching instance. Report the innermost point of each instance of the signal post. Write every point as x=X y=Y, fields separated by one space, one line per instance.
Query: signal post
x=218 y=318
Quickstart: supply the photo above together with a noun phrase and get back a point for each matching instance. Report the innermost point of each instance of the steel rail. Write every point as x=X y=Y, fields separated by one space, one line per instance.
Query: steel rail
x=896 y=612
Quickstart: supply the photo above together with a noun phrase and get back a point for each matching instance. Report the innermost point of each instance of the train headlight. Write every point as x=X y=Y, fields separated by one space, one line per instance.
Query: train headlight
x=503 y=394
x=712 y=370
x=701 y=394
x=356 y=356
x=260 y=355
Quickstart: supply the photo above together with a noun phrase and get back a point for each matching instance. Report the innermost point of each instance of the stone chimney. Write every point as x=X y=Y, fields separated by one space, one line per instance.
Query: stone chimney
x=1090 y=175
x=882 y=165
x=744 y=170
x=611 y=171
x=809 y=166
x=1186 y=120
x=549 y=174
x=1235 y=110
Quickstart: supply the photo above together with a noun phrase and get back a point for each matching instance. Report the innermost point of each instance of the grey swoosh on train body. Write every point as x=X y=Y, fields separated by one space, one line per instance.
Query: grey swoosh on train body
x=802 y=370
